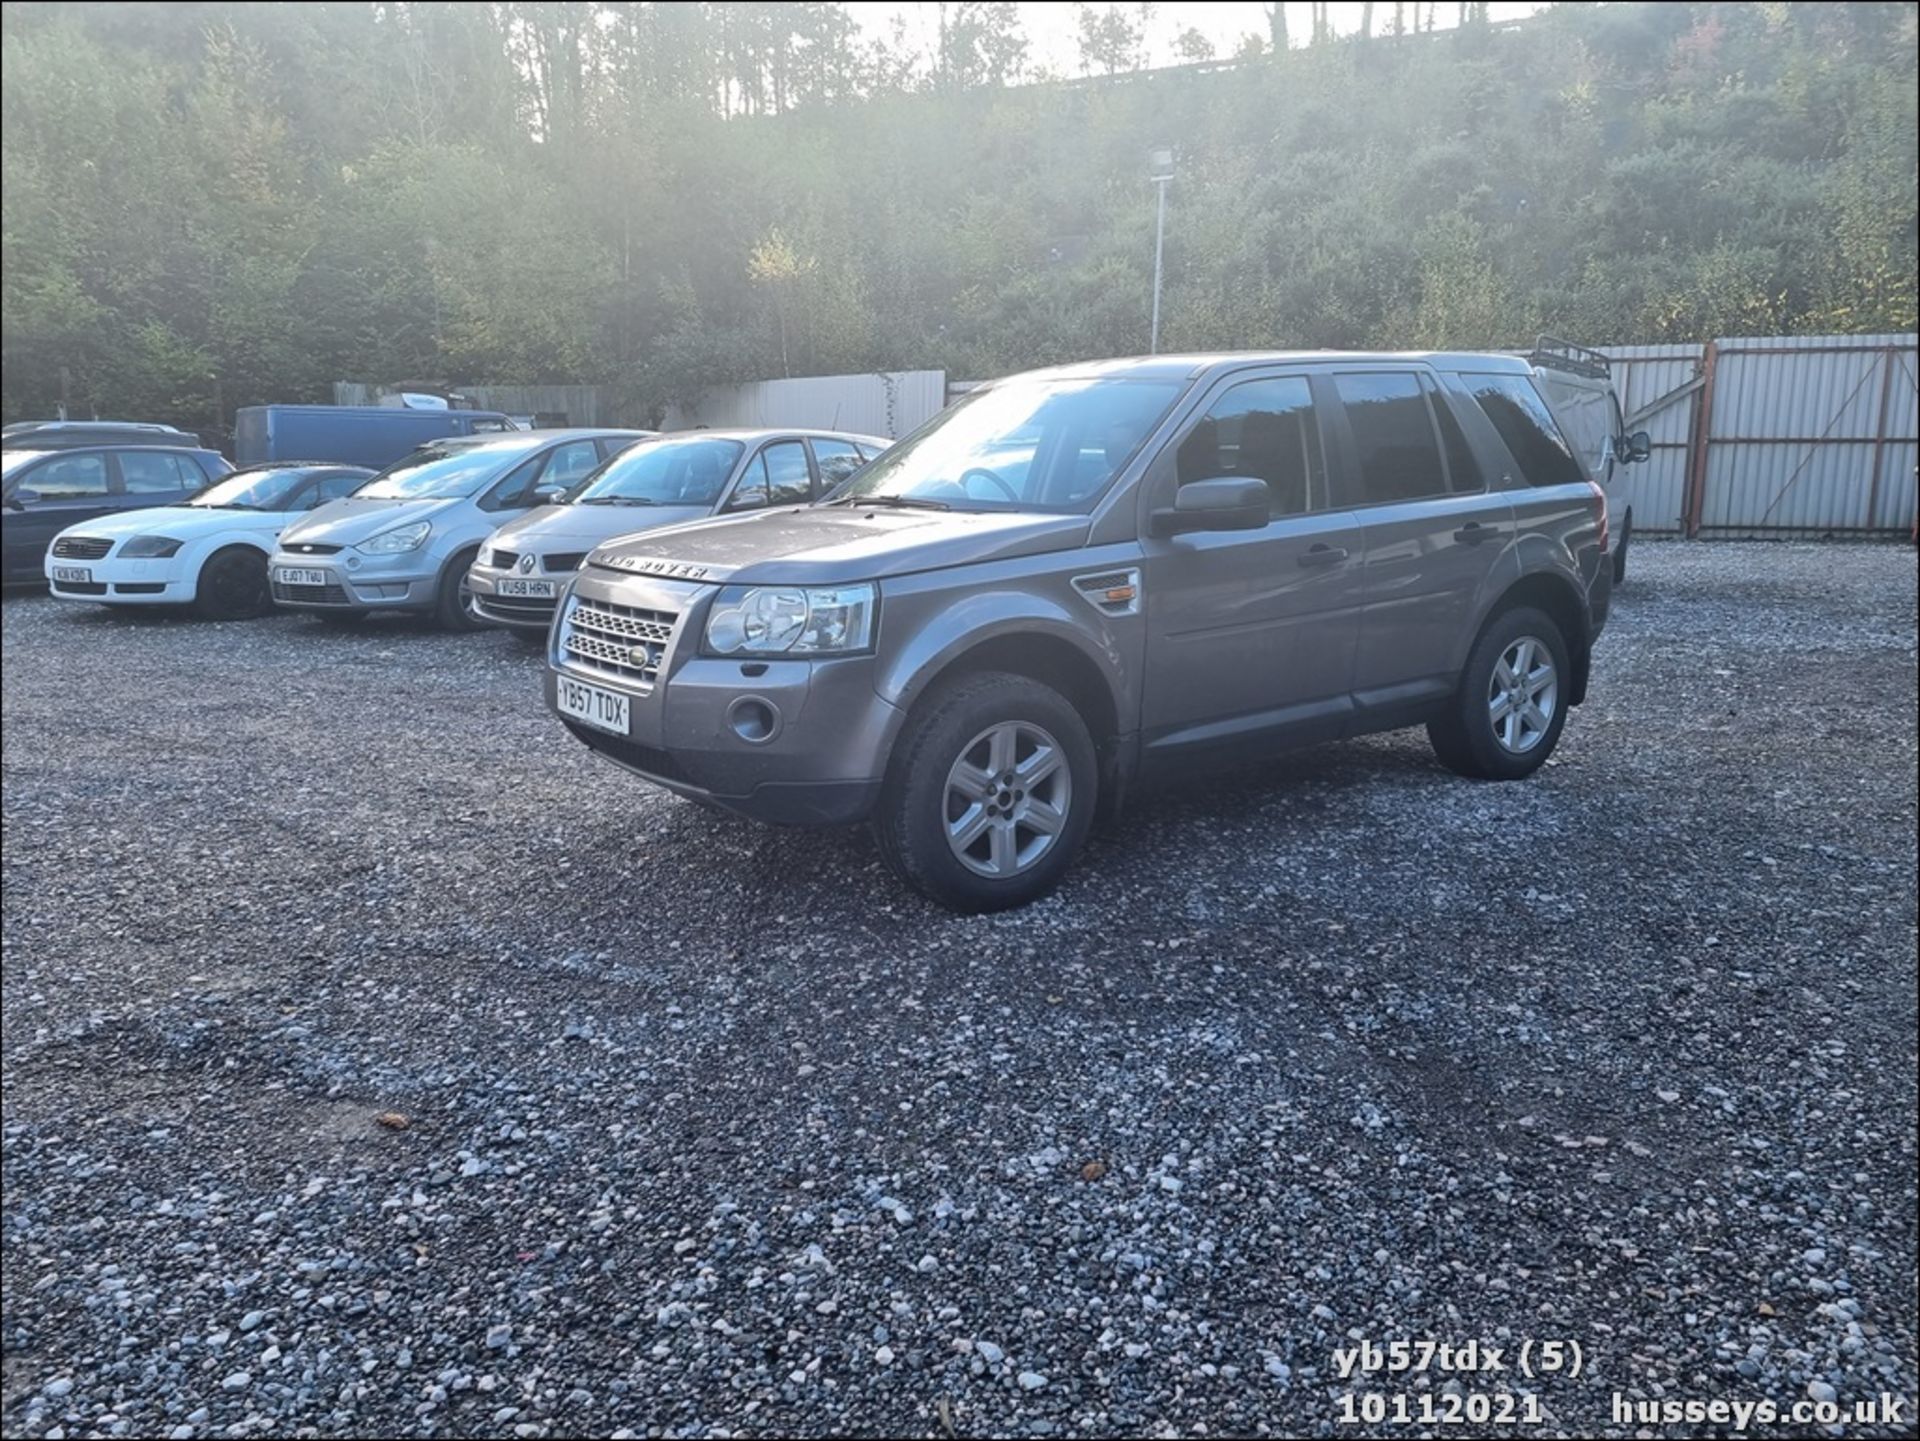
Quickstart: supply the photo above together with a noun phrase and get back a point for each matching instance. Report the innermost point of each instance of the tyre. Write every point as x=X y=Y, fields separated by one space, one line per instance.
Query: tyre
x=453 y=607
x=1620 y=550
x=233 y=586
x=990 y=793
x=1506 y=717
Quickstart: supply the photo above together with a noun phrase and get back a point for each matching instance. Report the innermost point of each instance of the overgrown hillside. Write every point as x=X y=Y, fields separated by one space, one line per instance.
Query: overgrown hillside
x=211 y=205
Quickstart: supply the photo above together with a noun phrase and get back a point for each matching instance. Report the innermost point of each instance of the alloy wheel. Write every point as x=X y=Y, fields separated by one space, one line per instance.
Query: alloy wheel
x=1007 y=797
x=1522 y=695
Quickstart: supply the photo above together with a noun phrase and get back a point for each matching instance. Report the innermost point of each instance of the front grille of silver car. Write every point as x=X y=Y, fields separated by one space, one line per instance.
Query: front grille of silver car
x=81 y=547
x=617 y=640
x=565 y=564
x=505 y=559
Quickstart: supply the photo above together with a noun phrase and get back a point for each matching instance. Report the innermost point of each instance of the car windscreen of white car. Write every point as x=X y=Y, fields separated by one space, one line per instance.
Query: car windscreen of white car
x=688 y=470
x=433 y=474
x=250 y=490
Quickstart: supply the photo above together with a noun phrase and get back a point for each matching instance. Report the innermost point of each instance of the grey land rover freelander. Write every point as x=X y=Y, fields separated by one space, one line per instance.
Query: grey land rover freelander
x=1077 y=576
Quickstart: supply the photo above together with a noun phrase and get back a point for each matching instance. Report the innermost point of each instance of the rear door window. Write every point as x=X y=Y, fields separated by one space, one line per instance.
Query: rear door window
x=1395 y=445
x=1528 y=427
x=152 y=473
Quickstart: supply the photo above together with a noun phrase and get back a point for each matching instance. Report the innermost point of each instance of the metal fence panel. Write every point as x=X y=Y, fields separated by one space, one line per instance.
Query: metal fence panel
x=1806 y=433
x=890 y=403
x=1656 y=491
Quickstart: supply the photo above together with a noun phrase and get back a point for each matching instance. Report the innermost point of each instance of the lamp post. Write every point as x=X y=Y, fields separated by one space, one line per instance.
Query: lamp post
x=1160 y=171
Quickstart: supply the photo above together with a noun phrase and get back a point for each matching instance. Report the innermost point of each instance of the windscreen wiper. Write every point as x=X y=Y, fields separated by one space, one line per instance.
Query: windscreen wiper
x=615 y=500
x=905 y=502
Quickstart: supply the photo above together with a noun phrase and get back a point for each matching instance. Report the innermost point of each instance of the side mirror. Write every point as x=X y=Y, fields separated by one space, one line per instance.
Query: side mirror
x=1227 y=502
x=1639 y=446
x=22 y=498
x=548 y=494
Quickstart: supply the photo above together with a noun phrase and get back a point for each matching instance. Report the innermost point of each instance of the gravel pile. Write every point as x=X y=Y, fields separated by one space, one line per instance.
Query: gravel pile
x=377 y=1062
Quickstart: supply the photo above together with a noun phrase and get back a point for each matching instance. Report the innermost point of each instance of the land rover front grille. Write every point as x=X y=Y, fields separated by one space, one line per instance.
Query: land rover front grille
x=81 y=547
x=617 y=640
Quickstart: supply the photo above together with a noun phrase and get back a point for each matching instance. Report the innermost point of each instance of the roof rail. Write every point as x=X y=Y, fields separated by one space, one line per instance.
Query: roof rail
x=1553 y=353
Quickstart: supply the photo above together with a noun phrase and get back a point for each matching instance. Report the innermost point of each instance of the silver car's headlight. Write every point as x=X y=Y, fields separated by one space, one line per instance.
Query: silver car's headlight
x=791 y=620
x=150 y=547
x=393 y=542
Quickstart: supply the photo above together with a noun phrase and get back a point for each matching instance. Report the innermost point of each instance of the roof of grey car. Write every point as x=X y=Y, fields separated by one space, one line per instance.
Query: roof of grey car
x=752 y=433
x=529 y=438
x=1189 y=367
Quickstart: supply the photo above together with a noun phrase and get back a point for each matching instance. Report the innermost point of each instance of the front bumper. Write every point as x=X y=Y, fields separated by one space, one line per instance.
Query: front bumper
x=357 y=582
x=517 y=612
x=817 y=757
x=113 y=581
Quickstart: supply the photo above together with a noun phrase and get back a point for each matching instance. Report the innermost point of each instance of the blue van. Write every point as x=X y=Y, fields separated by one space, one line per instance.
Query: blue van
x=371 y=435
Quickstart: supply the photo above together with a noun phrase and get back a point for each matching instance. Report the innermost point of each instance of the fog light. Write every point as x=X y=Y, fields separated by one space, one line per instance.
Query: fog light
x=753 y=720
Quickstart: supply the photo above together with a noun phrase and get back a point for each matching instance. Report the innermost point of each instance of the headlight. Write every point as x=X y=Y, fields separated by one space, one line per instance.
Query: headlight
x=791 y=620
x=392 y=542
x=485 y=558
x=149 y=547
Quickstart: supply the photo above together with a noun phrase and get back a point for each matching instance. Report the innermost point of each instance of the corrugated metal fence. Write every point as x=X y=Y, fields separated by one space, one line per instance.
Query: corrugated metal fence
x=889 y=403
x=1774 y=436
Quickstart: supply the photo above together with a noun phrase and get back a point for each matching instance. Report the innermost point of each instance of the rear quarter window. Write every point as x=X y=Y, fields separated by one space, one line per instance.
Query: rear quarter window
x=1520 y=414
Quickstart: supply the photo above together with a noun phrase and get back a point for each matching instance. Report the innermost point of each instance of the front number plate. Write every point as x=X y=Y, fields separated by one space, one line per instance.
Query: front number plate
x=73 y=574
x=602 y=709
x=287 y=576
x=513 y=585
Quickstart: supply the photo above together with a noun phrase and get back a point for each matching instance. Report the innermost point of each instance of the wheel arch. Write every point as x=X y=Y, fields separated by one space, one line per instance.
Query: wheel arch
x=1045 y=648
x=1553 y=593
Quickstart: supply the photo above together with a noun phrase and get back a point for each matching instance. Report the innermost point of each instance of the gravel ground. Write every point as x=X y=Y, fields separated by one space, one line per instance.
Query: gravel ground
x=700 y=1128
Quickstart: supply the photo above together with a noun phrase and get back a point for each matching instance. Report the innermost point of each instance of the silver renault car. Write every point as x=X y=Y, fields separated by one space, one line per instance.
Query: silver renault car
x=656 y=483
x=405 y=539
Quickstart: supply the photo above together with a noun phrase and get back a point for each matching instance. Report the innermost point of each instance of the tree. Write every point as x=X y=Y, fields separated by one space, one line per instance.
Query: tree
x=777 y=266
x=1192 y=46
x=1277 y=26
x=980 y=44
x=1109 y=40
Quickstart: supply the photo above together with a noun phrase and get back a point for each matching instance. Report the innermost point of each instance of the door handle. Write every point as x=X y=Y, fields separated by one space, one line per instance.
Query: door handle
x=1323 y=554
x=1472 y=533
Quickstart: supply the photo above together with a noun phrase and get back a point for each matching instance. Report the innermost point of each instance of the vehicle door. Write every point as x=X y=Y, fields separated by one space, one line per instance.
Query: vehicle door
x=1251 y=631
x=157 y=477
x=46 y=497
x=1432 y=529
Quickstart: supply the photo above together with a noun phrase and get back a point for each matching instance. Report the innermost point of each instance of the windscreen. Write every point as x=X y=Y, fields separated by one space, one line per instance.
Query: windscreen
x=1024 y=445
x=251 y=490
x=432 y=473
x=687 y=470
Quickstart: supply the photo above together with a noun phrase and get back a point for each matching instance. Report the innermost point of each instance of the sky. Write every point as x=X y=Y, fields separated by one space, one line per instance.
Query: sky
x=1052 y=29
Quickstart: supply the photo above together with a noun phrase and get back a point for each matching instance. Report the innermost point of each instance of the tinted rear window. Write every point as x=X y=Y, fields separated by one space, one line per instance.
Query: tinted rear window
x=1528 y=428
x=1393 y=436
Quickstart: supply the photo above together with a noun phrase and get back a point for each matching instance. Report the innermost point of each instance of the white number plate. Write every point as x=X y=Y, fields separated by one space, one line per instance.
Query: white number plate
x=287 y=576
x=513 y=585
x=73 y=574
x=602 y=709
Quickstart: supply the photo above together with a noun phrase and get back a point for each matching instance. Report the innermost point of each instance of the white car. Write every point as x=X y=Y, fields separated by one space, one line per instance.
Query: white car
x=209 y=552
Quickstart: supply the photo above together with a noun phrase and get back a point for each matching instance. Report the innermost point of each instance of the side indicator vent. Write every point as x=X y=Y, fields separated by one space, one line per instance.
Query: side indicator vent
x=1112 y=592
